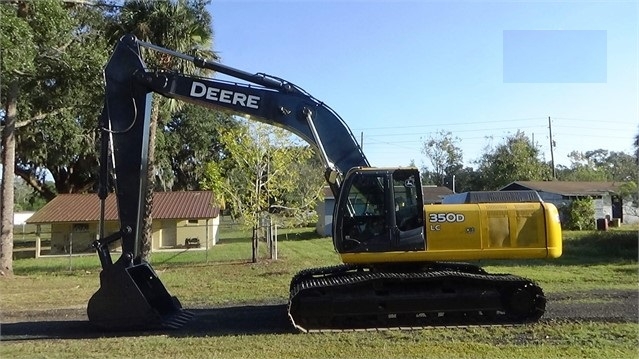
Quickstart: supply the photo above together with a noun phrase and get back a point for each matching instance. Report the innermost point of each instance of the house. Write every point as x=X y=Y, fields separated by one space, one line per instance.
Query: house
x=20 y=218
x=74 y=218
x=431 y=194
x=20 y=226
x=605 y=195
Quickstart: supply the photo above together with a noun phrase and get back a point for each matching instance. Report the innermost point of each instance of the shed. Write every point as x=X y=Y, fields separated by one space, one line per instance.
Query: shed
x=605 y=195
x=177 y=216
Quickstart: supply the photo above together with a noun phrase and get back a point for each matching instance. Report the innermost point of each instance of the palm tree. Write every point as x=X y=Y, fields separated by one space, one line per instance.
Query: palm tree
x=180 y=25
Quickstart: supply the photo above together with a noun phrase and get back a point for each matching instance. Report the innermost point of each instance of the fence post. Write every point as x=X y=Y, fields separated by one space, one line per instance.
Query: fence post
x=206 y=230
x=70 y=249
x=274 y=233
x=254 y=244
x=38 y=243
x=269 y=239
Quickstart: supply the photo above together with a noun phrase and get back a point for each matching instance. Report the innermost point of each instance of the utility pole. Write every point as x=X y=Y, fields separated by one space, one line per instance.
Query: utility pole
x=552 y=144
x=533 y=140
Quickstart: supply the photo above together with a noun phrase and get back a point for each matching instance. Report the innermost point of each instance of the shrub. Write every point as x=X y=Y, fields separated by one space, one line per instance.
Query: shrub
x=579 y=214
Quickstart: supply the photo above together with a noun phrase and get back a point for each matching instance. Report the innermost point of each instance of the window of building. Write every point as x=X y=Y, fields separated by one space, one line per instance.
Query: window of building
x=80 y=227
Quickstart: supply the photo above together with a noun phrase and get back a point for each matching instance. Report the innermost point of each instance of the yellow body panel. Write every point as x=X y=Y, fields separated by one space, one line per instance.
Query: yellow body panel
x=480 y=231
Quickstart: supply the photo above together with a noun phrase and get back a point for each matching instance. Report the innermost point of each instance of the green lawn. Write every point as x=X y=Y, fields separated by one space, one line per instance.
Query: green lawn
x=591 y=260
x=225 y=275
x=557 y=340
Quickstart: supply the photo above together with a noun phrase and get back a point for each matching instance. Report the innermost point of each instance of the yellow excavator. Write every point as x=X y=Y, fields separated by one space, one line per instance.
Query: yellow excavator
x=404 y=263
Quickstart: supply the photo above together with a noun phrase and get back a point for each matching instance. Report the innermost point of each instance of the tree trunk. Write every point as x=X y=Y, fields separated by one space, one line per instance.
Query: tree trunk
x=8 y=177
x=146 y=243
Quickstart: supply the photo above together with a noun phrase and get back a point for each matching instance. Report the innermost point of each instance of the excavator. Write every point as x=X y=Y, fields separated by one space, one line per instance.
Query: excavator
x=405 y=264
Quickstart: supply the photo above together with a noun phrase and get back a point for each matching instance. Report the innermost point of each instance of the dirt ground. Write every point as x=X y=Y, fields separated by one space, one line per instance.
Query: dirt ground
x=258 y=318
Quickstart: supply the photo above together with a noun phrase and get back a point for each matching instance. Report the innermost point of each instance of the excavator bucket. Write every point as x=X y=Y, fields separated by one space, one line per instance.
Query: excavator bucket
x=134 y=298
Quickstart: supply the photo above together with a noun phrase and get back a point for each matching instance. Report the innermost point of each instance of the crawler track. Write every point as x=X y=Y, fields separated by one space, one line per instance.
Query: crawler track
x=349 y=297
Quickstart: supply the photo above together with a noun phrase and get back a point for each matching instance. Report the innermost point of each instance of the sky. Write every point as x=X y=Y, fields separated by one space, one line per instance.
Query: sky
x=399 y=72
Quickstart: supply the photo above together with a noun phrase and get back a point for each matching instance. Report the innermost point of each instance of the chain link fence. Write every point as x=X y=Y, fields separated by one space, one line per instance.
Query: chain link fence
x=31 y=241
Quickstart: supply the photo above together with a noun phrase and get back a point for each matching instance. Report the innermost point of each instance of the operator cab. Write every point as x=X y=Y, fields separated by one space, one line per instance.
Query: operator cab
x=379 y=210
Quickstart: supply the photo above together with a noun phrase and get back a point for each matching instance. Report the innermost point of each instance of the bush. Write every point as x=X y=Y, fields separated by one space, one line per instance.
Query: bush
x=578 y=215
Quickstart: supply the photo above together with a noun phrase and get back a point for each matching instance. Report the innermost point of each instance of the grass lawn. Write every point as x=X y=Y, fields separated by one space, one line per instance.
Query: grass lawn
x=557 y=340
x=224 y=275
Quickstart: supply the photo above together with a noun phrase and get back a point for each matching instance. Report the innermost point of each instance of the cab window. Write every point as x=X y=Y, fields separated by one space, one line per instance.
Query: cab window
x=365 y=220
x=407 y=202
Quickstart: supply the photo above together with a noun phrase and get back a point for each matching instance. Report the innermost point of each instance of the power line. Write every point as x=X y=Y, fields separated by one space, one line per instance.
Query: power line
x=607 y=128
x=564 y=136
x=627 y=136
x=586 y=120
x=475 y=130
x=446 y=124
x=449 y=124
x=378 y=142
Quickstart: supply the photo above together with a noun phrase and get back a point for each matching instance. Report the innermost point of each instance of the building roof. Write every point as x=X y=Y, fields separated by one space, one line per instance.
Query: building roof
x=86 y=207
x=435 y=194
x=566 y=188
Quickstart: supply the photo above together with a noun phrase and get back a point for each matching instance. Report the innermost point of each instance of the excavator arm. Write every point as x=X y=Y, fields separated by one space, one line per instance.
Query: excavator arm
x=124 y=127
x=126 y=114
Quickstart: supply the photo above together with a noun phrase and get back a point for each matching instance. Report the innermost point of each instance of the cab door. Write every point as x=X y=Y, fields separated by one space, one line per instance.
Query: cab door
x=379 y=211
x=409 y=211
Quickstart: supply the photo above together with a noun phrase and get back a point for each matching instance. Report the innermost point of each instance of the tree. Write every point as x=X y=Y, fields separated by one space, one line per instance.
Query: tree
x=61 y=99
x=188 y=141
x=514 y=160
x=180 y=25
x=445 y=157
x=32 y=91
x=581 y=169
x=300 y=201
x=620 y=166
x=599 y=165
x=467 y=179
x=257 y=174
x=25 y=198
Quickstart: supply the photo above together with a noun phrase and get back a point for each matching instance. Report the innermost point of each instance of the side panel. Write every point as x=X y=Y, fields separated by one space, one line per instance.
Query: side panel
x=452 y=227
x=481 y=231
x=485 y=226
